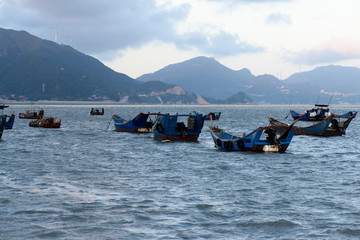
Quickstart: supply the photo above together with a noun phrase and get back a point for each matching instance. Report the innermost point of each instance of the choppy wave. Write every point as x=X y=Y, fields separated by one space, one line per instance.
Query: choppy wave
x=84 y=182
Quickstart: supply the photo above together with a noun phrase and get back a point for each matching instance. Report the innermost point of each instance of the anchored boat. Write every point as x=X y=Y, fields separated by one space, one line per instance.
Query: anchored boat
x=3 y=121
x=318 y=113
x=213 y=115
x=178 y=127
x=2 y=124
x=333 y=125
x=262 y=139
x=32 y=114
x=142 y=123
x=9 y=120
x=47 y=122
x=96 y=111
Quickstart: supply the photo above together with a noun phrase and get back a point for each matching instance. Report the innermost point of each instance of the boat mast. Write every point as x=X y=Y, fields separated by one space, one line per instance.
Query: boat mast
x=330 y=99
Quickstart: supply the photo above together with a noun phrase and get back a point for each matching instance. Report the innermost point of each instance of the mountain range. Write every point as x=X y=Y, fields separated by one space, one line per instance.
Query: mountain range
x=203 y=75
x=209 y=78
x=35 y=69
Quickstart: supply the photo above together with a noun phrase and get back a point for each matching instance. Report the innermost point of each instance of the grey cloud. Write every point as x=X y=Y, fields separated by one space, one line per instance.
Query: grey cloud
x=95 y=26
x=250 y=1
x=103 y=27
x=225 y=44
x=233 y=3
x=313 y=57
x=278 y=18
x=189 y=40
x=219 y=45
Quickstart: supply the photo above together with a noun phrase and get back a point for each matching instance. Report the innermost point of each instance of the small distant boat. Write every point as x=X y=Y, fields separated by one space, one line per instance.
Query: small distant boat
x=333 y=125
x=263 y=139
x=214 y=116
x=318 y=113
x=142 y=123
x=47 y=122
x=96 y=111
x=32 y=114
x=173 y=127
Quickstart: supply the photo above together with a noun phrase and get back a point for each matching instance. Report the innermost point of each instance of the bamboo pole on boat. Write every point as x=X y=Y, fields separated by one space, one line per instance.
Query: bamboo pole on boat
x=108 y=127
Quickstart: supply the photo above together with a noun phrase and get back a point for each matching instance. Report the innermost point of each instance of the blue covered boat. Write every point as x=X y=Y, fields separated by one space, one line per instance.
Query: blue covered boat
x=9 y=122
x=263 y=139
x=142 y=123
x=2 y=120
x=333 y=125
x=177 y=127
x=214 y=116
x=2 y=124
x=320 y=112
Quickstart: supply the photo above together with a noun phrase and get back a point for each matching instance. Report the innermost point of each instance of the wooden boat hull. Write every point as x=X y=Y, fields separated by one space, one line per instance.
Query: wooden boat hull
x=140 y=124
x=253 y=142
x=187 y=138
x=135 y=130
x=32 y=114
x=326 y=128
x=172 y=128
x=48 y=122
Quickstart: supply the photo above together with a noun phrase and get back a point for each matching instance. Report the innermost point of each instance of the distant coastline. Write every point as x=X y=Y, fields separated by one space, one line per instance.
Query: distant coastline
x=112 y=103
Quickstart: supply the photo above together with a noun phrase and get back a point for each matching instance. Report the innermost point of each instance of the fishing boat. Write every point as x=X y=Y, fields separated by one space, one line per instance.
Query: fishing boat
x=96 y=111
x=320 y=112
x=213 y=115
x=47 y=122
x=2 y=120
x=2 y=124
x=32 y=114
x=142 y=123
x=262 y=139
x=173 y=128
x=333 y=125
x=9 y=120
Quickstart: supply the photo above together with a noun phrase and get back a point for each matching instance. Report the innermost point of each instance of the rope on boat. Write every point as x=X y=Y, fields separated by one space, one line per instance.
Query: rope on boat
x=287 y=115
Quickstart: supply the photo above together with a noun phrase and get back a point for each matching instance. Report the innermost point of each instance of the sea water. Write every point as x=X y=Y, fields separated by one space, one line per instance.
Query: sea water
x=83 y=181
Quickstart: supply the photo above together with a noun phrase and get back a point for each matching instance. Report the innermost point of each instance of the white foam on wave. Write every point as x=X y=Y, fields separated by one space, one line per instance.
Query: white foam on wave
x=63 y=190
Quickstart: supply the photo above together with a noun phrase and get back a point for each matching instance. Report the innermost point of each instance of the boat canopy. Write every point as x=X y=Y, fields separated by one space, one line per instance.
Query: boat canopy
x=321 y=105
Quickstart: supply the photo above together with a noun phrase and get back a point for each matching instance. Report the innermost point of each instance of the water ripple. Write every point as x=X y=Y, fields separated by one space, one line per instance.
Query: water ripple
x=83 y=182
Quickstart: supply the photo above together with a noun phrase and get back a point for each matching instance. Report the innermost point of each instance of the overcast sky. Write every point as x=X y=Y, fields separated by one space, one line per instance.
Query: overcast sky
x=134 y=37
